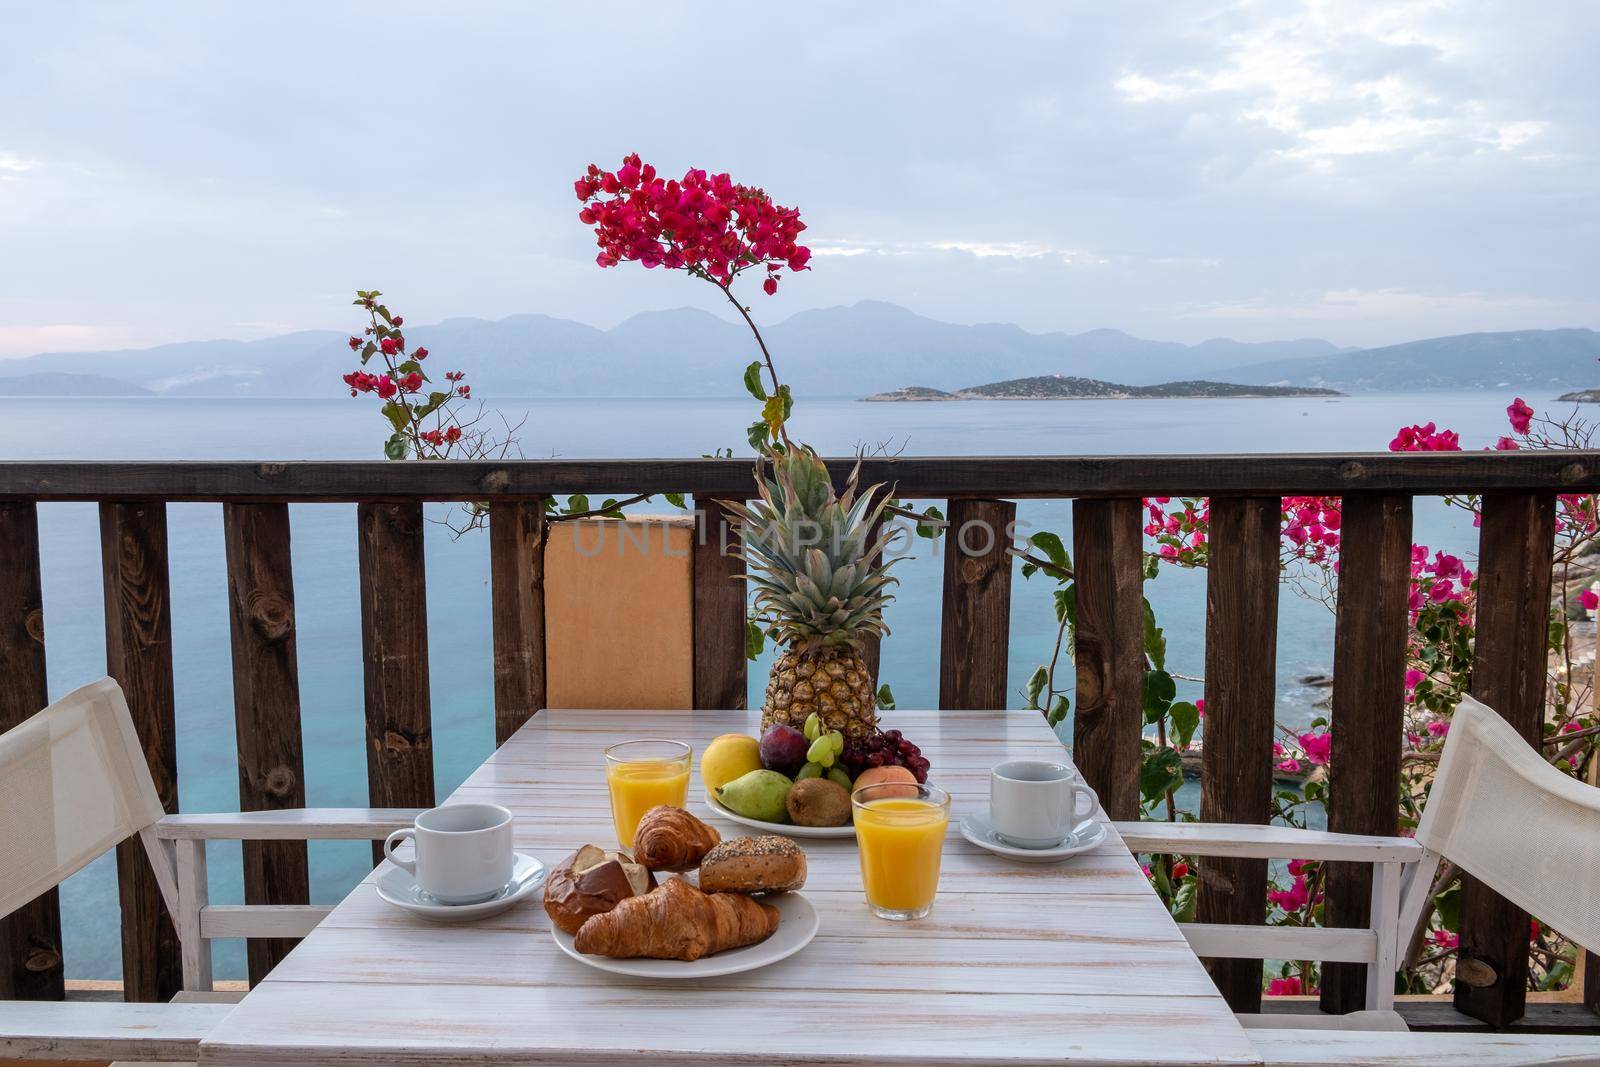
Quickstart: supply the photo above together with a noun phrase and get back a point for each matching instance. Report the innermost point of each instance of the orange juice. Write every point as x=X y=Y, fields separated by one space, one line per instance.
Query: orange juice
x=637 y=785
x=900 y=840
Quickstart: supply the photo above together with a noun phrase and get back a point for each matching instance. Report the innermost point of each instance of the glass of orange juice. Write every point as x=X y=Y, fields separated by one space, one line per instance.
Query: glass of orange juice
x=900 y=831
x=642 y=774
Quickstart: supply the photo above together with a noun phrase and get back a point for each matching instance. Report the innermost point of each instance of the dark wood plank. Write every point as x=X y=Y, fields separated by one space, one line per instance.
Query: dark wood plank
x=516 y=570
x=1108 y=554
x=266 y=708
x=1236 y=760
x=394 y=647
x=975 y=631
x=721 y=677
x=1515 y=545
x=30 y=937
x=133 y=550
x=1369 y=692
x=914 y=477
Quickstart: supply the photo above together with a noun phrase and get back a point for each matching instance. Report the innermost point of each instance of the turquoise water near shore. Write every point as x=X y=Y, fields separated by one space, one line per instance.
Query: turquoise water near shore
x=324 y=550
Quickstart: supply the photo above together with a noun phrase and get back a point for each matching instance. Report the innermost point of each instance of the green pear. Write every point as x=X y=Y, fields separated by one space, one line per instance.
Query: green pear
x=762 y=795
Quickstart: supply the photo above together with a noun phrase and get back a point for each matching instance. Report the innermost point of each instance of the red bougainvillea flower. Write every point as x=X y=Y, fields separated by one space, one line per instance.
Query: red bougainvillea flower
x=421 y=353
x=412 y=382
x=355 y=343
x=389 y=345
x=1425 y=438
x=705 y=224
x=386 y=387
x=1284 y=987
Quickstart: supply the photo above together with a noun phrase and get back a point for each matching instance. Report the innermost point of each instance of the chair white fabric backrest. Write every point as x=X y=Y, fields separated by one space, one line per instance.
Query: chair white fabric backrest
x=73 y=783
x=1515 y=823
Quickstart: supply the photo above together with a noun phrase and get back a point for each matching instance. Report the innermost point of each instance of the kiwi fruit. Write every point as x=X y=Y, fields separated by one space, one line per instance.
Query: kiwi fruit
x=818 y=802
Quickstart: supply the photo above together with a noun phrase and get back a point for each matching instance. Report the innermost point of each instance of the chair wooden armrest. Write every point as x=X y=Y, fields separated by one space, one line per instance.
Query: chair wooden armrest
x=1335 y=1048
x=1252 y=841
x=53 y=1030
x=289 y=824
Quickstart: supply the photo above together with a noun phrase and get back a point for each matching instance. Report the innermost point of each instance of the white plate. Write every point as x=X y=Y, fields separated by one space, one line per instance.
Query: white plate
x=797 y=925
x=978 y=829
x=784 y=828
x=399 y=888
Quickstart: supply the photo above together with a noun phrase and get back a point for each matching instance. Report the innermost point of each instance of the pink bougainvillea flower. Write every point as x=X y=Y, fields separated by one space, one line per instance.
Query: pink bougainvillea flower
x=1284 y=987
x=1520 y=415
x=1318 y=747
x=1445 y=939
x=1439 y=727
x=1200 y=706
x=1414 y=677
x=1588 y=599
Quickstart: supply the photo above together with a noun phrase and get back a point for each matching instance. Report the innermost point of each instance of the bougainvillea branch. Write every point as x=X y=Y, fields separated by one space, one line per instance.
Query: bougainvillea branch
x=710 y=227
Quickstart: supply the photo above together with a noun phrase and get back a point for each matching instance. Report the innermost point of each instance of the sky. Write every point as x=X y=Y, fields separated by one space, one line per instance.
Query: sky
x=1363 y=172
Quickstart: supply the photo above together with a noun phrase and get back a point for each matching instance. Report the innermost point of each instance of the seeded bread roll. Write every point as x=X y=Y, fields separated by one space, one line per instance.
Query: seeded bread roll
x=766 y=864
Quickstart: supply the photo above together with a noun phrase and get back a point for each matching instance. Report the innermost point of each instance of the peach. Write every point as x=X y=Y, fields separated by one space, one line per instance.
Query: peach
x=881 y=775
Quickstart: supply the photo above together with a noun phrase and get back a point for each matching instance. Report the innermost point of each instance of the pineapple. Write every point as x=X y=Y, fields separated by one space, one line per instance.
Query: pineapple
x=818 y=587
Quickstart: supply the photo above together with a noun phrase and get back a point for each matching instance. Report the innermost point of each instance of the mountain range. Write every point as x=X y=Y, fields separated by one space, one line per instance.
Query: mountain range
x=862 y=348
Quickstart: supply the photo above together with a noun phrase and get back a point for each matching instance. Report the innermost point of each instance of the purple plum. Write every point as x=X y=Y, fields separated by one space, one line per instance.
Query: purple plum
x=783 y=749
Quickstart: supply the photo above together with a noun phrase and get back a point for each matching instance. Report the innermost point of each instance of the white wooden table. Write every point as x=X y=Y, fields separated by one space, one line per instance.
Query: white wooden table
x=1017 y=963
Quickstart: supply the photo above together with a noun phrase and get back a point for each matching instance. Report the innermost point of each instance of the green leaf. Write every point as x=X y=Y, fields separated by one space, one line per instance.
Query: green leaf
x=773 y=413
x=395 y=446
x=1066 y=600
x=758 y=434
x=1058 y=710
x=1161 y=772
x=410 y=365
x=1152 y=566
x=675 y=499
x=1035 y=686
x=885 y=698
x=1159 y=689
x=577 y=503
x=1054 y=550
x=754 y=639
x=366 y=352
x=609 y=508
x=398 y=414
x=1185 y=717
x=1184 y=902
x=434 y=401
x=752 y=380
x=788 y=401
x=385 y=313
x=931 y=532
x=1155 y=641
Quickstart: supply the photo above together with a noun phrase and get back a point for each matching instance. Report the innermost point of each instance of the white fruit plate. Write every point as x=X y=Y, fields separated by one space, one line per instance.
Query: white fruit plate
x=797 y=925
x=784 y=828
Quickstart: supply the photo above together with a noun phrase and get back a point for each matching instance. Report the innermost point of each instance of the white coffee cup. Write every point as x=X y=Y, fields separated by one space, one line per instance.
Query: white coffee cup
x=463 y=851
x=1037 y=803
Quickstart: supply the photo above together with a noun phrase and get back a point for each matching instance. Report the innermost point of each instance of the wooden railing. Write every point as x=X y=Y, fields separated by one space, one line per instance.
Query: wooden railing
x=1241 y=625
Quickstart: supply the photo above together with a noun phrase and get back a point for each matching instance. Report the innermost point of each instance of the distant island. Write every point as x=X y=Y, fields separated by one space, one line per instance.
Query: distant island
x=1582 y=396
x=1068 y=387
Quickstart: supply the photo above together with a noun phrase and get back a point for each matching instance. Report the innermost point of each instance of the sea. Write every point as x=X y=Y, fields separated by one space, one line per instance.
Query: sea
x=324 y=552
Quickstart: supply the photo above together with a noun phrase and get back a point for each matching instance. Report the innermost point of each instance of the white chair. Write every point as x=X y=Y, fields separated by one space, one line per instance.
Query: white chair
x=1499 y=812
x=74 y=784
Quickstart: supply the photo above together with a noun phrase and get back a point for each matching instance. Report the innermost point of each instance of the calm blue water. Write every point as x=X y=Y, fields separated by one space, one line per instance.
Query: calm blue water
x=458 y=593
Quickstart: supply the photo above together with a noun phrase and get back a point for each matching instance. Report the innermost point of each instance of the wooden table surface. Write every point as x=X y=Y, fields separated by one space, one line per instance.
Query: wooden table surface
x=1017 y=964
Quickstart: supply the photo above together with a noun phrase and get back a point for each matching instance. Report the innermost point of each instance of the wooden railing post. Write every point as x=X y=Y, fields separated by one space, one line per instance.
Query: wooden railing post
x=1369 y=690
x=720 y=667
x=266 y=708
x=30 y=937
x=1108 y=553
x=1236 y=760
x=975 y=630
x=133 y=550
x=1515 y=546
x=394 y=648
x=516 y=566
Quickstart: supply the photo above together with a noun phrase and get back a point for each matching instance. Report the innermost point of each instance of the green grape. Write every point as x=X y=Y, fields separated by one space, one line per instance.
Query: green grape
x=838 y=776
x=810 y=770
x=813 y=727
x=838 y=742
x=821 y=751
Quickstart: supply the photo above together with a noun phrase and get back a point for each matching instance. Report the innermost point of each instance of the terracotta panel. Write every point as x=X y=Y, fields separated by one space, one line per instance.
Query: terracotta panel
x=619 y=602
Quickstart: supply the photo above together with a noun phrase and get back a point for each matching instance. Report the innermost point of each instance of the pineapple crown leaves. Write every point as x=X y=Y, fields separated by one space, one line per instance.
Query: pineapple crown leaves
x=811 y=554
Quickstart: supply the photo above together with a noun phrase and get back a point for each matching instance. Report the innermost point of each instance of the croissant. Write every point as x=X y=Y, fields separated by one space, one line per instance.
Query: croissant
x=676 y=921
x=670 y=839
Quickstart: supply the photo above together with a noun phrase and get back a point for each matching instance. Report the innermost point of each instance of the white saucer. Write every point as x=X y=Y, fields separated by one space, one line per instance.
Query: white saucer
x=797 y=925
x=785 y=828
x=977 y=829
x=399 y=888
